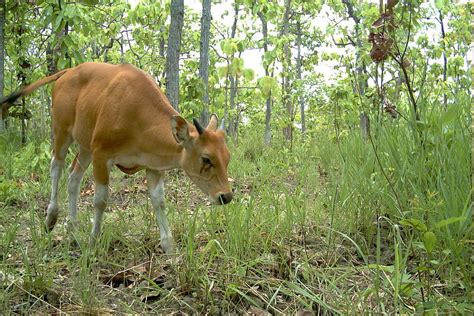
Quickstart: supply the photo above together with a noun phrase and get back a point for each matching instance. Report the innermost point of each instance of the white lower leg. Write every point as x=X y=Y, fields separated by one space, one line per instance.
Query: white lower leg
x=80 y=165
x=53 y=208
x=100 y=202
x=73 y=191
x=74 y=186
x=158 y=201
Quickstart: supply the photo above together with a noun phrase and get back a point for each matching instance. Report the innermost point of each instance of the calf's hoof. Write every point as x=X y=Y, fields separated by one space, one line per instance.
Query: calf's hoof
x=51 y=217
x=167 y=244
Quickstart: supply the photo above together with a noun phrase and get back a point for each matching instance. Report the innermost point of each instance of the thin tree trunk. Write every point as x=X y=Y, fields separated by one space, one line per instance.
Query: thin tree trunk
x=288 y=130
x=2 y=60
x=445 y=60
x=233 y=94
x=161 y=51
x=364 y=126
x=23 y=64
x=267 y=136
x=361 y=84
x=233 y=80
x=66 y=53
x=204 y=56
x=52 y=53
x=122 y=51
x=299 y=76
x=226 y=95
x=236 y=117
x=172 y=56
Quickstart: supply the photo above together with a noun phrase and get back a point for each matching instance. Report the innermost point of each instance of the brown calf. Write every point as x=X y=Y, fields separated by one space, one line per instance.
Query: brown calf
x=119 y=116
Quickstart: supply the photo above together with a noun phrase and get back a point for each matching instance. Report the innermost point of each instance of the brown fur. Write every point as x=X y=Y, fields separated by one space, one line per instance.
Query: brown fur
x=119 y=115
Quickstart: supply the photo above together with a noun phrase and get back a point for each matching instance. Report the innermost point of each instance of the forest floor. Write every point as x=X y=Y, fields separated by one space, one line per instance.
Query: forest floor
x=276 y=249
x=129 y=272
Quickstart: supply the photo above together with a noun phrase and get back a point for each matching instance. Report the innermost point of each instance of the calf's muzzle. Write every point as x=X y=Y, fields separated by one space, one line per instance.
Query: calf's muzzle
x=224 y=198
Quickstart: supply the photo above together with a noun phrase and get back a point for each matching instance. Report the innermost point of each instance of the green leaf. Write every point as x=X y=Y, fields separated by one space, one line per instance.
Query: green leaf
x=450 y=115
x=422 y=267
x=381 y=267
x=228 y=46
x=222 y=71
x=241 y=46
x=35 y=161
x=448 y=221
x=68 y=41
x=58 y=22
x=429 y=240
x=113 y=27
x=78 y=56
x=249 y=74
x=267 y=84
x=49 y=13
x=132 y=15
x=440 y=4
x=235 y=289
x=236 y=67
x=415 y=223
x=422 y=125
x=62 y=63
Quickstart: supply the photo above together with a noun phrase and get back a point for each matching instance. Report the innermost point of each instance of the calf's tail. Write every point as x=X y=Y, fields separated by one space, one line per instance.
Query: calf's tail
x=9 y=99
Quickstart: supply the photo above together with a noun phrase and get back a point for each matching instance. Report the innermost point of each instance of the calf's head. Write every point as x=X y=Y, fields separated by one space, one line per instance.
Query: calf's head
x=205 y=156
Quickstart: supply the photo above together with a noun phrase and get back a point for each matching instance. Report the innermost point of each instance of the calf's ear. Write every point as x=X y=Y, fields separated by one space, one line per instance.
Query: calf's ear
x=179 y=128
x=221 y=129
x=212 y=123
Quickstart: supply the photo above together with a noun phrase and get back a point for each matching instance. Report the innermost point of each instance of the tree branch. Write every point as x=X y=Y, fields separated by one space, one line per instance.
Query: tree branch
x=350 y=11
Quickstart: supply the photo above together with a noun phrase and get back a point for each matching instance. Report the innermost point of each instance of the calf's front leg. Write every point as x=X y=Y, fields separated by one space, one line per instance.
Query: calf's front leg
x=157 y=195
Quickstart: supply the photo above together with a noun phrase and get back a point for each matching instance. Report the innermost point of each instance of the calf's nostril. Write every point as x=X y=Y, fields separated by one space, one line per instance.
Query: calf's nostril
x=224 y=198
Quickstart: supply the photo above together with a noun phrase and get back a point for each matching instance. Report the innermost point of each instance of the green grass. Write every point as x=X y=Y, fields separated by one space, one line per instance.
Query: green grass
x=329 y=227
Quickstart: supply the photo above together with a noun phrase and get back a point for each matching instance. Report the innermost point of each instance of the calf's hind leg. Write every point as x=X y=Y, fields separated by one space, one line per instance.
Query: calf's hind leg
x=79 y=166
x=61 y=145
x=101 y=194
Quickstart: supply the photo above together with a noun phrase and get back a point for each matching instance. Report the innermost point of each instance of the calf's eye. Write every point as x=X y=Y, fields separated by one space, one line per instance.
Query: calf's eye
x=206 y=161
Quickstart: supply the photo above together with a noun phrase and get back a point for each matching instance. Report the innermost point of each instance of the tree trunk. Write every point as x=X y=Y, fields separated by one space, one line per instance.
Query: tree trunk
x=364 y=126
x=360 y=69
x=23 y=65
x=267 y=135
x=288 y=130
x=162 y=51
x=299 y=76
x=445 y=60
x=234 y=118
x=204 y=56
x=233 y=81
x=172 y=58
x=53 y=51
x=66 y=53
x=2 y=59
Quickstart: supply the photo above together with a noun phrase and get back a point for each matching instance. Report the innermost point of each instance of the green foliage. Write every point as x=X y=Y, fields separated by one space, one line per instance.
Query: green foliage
x=409 y=184
x=32 y=158
x=267 y=85
x=314 y=218
x=231 y=46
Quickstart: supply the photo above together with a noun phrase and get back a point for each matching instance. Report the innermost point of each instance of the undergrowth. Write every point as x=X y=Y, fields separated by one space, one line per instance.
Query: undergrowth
x=333 y=226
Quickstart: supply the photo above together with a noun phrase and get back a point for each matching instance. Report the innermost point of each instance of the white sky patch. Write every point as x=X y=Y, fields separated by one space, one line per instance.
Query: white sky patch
x=133 y=3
